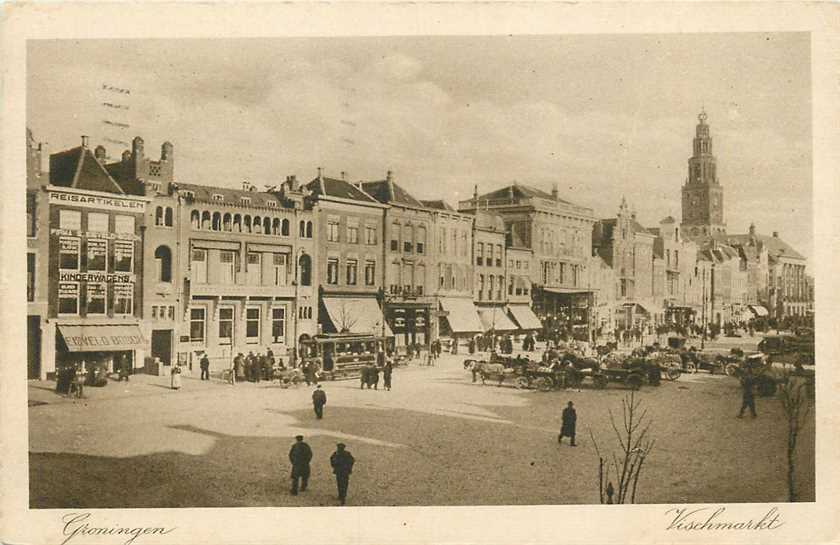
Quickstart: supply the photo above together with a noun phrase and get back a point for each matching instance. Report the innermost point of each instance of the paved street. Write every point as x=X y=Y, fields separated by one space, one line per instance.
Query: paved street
x=436 y=439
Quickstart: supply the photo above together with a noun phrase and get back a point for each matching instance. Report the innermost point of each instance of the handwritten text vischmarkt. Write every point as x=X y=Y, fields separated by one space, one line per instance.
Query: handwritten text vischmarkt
x=76 y=526
x=704 y=518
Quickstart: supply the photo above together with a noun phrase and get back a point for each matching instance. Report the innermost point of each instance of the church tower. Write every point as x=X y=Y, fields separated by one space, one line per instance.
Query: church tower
x=702 y=194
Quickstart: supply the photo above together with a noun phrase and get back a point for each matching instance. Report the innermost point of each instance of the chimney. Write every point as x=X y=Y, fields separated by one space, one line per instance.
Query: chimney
x=475 y=195
x=292 y=182
x=775 y=234
x=752 y=229
x=126 y=156
x=554 y=193
x=44 y=153
x=320 y=174
x=84 y=141
x=246 y=185
x=390 y=176
x=167 y=151
x=100 y=153
x=343 y=175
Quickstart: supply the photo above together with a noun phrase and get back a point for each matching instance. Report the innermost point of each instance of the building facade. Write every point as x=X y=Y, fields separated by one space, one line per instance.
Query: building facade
x=490 y=269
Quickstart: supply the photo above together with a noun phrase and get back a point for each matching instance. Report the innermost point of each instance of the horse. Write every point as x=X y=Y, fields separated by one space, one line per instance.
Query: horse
x=489 y=370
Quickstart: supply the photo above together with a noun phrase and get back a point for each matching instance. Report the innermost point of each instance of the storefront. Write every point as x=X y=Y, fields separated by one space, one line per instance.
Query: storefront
x=495 y=321
x=409 y=322
x=525 y=318
x=103 y=348
x=353 y=315
x=458 y=319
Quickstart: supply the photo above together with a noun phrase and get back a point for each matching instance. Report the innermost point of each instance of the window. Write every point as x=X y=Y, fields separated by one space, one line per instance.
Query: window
x=256 y=225
x=370 y=235
x=353 y=234
x=302 y=229
x=124 y=224
x=30 y=277
x=158 y=216
x=198 y=266
x=442 y=276
x=421 y=239
x=96 y=298
x=198 y=319
x=479 y=254
x=227 y=262
x=97 y=254
x=217 y=197
x=163 y=264
x=420 y=279
x=70 y=219
x=409 y=278
x=123 y=255
x=97 y=222
x=195 y=219
x=167 y=217
x=254 y=269
x=480 y=287
x=226 y=325
x=305 y=264
x=332 y=231
x=408 y=237
x=246 y=224
x=271 y=204
x=171 y=312
x=308 y=229
x=252 y=325
x=442 y=240
x=237 y=223
x=370 y=272
x=31 y=216
x=352 y=270
x=266 y=227
x=227 y=223
x=498 y=255
x=395 y=237
x=245 y=200
x=463 y=244
x=68 y=253
x=278 y=325
x=676 y=258
x=490 y=285
x=123 y=298
x=284 y=228
x=280 y=263
x=500 y=287
x=332 y=271
x=68 y=298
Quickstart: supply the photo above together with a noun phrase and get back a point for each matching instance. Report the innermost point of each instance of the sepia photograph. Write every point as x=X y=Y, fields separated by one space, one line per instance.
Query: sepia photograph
x=420 y=271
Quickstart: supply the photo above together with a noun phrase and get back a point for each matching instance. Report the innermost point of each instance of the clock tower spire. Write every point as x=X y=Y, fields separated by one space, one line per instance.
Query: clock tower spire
x=702 y=194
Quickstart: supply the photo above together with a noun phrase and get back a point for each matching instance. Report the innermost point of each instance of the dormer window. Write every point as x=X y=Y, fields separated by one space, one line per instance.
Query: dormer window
x=188 y=194
x=218 y=197
x=245 y=200
x=271 y=204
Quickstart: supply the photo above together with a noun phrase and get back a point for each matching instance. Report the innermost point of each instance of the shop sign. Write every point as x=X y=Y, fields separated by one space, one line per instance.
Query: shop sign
x=95 y=277
x=123 y=290
x=68 y=290
x=94 y=234
x=96 y=201
x=123 y=249
x=69 y=244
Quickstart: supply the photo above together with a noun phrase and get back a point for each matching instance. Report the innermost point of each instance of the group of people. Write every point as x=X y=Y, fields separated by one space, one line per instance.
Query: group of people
x=253 y=367
x=341 y=462
x=369 y=373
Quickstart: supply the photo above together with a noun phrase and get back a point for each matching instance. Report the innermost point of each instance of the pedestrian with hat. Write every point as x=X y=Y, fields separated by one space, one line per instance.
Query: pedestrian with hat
x=567 y=429
x=300 y=455
x=342 y=465
x=319 y=399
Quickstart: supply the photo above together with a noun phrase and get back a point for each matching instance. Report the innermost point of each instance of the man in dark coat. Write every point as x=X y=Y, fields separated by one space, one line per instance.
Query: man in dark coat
x=319 y=399
x=205 y=367
x=300 y=455
x=747 y=397
x=569 y=423
x=342 y=465
x=387 y=370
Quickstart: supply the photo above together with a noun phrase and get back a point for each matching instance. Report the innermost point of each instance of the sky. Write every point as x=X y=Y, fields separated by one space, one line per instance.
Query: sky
x=601 y=116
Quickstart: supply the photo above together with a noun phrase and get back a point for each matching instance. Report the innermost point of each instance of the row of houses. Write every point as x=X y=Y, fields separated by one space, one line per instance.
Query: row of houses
x=126 y=262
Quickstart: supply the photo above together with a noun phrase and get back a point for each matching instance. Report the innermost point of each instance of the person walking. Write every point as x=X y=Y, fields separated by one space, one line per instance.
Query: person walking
x=232 y=370
x=319 y=399
x=387 y=370
x=300 y=455
x=205 y=367
x=175 y=383
x=239 y=364
x=747 y=397
x=567 y=428
x=342 y=465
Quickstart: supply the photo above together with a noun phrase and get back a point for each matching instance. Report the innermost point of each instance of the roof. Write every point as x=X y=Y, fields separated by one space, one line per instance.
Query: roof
x=79 y=169
x=123 y=174
x=668 y=219
x=387 y=192
x=776 y=247
x=637 y=227
x=439 y=204
x=342 y=189
x=230 y=196
x=519 y=191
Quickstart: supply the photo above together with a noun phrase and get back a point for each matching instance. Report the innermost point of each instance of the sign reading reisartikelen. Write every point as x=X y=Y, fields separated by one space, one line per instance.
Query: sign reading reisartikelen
x=96 y=201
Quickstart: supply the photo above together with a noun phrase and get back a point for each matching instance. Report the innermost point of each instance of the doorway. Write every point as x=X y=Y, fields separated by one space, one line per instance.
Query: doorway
x=33 y=352
x=162 y=345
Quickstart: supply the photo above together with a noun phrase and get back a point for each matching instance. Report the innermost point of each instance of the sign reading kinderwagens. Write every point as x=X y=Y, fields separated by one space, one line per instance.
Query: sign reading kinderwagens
x=96 y=201
x=95 y=277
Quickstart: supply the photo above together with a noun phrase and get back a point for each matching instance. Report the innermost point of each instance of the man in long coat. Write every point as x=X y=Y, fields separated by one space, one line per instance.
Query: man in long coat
x=300 y=455
x=747 y=396
x=569 y=422
x=342 y=464
x=319 y=399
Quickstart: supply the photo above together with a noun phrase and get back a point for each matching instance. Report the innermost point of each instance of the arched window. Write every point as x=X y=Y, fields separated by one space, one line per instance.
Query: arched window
x=305 y=264
x=256 y=226
x=302 y=233
x=285 y=228
x=159 y=215
x=275 y=226
x=217 y=221
x=226 y=223
x=308 y=229
x=266 y=225
x=163 y=263
x=205 y=220
x=237 y=223
x=195 y=219
x=246 y=224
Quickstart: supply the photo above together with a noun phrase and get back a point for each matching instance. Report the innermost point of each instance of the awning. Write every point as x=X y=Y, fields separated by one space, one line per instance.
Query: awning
x=102 y=338
x=462 y=316
x=566 y=291
x=637 y=304
x=356 y=315
x=496 y=319
x=759 y=310
x=525 y=317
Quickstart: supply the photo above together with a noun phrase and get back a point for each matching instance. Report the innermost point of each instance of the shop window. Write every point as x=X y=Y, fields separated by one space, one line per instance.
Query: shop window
x=163 y=264
x=68 y=298
x=370 y=273
x=252 y=325
x=352 y=271
x=332 y=271
x=305 y=264
x=124 y=224
x=198 y=266
x=97 y=222
x=95 y=298
x=123 y=255
x=278 y=325
x=254 y=269
x=226 y=325
x=198 y=320
x=123 y=299
x=97 y=254
x=227 y=263
x=70 y=220
x=68 y=253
